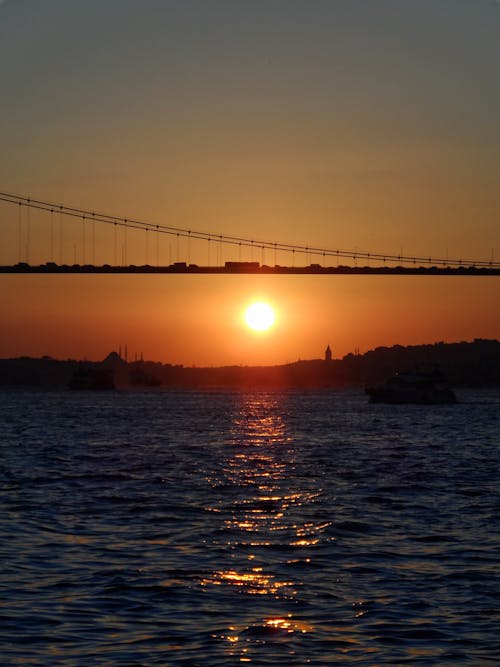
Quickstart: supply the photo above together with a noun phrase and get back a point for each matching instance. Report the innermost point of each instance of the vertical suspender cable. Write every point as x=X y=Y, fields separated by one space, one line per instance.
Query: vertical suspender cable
x=28 y=233
x=60 y=236
x=157 y=246
x=51 y=235
x=83 y=241
x=20 y=232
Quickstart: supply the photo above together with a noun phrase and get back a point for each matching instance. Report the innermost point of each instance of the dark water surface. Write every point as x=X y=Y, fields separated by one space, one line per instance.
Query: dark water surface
x=185 y=528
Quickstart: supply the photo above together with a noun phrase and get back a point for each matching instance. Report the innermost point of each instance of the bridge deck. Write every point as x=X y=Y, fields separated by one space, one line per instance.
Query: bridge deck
x=255 y=268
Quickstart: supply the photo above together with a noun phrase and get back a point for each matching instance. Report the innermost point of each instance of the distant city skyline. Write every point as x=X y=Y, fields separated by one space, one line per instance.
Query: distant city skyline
x=474 y=363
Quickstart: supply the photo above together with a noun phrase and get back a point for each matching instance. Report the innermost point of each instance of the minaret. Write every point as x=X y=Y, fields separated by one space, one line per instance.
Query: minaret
x=328 y=354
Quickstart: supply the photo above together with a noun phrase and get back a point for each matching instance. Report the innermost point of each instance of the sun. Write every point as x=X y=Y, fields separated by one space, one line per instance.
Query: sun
x=259 y=316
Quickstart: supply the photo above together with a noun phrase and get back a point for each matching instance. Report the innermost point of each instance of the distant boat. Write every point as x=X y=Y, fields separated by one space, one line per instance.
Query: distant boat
x=424 y=387
x=92 y=378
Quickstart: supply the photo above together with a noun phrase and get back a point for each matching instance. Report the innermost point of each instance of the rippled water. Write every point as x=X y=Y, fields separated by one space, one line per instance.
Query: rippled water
x=185 y=528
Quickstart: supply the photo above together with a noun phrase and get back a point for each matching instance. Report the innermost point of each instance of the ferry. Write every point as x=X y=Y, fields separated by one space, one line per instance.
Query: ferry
x=420 y=387
x=91 y=377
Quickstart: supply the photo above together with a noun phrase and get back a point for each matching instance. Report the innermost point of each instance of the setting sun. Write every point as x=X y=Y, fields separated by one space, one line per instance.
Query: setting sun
x=259 y=316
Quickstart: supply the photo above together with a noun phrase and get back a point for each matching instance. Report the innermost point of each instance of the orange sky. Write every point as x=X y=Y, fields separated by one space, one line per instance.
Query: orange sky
x=199 y=319
x=364 y=126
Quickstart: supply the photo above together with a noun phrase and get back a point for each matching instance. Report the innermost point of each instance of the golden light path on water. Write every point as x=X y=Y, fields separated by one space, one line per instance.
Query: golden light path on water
x=264 y=513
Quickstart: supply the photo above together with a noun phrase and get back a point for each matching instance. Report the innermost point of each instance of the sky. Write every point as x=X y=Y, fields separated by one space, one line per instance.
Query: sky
x=369 y=125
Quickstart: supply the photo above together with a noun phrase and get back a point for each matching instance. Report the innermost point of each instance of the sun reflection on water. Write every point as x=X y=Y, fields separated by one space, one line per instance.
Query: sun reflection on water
x=259 y=507
x=253 y=582
x=268 y=630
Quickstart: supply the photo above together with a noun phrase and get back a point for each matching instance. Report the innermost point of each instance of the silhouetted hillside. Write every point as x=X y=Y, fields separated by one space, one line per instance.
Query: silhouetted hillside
x=476 y=363
x=473 y=364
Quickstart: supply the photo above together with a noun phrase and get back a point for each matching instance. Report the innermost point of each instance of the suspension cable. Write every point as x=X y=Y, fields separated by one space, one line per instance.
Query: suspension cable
x=308 y=251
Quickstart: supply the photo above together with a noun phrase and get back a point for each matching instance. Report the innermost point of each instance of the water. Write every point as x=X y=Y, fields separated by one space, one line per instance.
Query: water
x=198 y=528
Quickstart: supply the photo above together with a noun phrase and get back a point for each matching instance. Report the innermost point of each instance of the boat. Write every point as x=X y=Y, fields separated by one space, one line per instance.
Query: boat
x=424 y=387
x=91 y=377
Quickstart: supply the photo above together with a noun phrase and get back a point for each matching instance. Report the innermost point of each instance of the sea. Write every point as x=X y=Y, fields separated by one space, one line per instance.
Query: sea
x=214 y=528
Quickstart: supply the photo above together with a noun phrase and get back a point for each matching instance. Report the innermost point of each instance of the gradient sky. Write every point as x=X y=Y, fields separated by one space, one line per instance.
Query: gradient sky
x=369 y=125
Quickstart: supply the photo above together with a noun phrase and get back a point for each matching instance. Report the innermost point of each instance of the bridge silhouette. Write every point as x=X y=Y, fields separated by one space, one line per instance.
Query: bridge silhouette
x=60 y=239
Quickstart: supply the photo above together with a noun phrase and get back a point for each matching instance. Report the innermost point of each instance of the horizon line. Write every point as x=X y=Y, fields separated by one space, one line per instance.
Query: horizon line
x=356 y=353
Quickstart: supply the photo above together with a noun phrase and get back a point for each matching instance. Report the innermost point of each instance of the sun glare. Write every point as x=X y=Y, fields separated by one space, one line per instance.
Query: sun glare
x=259 y=316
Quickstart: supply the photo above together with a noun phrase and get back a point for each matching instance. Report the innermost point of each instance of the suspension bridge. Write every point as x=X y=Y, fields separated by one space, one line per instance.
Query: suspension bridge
x=46 y=237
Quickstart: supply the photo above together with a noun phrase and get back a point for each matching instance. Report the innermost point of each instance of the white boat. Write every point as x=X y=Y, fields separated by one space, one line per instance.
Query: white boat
x=420 y=386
